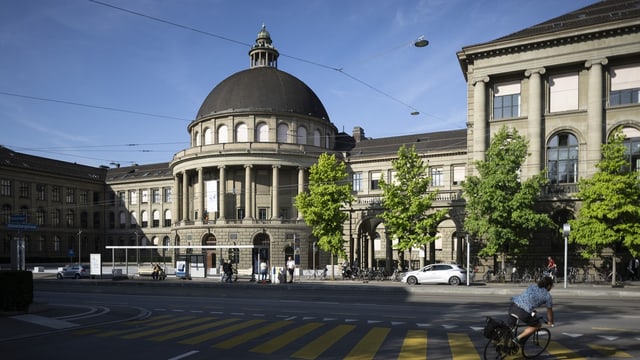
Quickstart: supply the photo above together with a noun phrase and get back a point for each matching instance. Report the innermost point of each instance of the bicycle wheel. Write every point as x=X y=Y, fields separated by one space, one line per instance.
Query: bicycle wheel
x=535 y=344
x=492 y=352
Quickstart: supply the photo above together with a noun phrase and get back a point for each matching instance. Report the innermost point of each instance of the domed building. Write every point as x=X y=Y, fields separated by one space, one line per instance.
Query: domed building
x=252 y=141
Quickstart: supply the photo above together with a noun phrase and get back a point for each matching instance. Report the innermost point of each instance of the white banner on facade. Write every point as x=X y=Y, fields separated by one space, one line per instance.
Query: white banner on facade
x=212 y=195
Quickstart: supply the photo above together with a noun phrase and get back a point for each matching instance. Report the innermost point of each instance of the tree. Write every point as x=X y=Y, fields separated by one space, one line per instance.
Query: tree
x=500 y=207
x=610 y=212
x=407 y=202
x=328 y=192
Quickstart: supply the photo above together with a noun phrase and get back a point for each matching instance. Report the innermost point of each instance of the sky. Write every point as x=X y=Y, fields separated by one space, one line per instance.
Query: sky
x=117 y=81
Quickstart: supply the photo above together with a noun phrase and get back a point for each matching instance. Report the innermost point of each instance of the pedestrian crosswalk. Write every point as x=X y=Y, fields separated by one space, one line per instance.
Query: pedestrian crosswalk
x=312 y=338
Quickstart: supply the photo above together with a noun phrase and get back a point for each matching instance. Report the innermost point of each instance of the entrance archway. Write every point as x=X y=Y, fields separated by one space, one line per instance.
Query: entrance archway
x=210 y=240
x=260 y=252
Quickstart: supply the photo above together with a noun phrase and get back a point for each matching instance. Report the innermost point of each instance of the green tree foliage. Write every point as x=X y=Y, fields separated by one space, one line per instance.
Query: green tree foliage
x=500 y=207
x=329 y=191
x=610 y=213
x=407 y=202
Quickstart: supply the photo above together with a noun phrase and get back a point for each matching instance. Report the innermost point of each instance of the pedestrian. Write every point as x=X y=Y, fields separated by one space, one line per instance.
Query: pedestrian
x=291 y=265
x=523 y=306
x=229 y=271
x=552 y=267
x=263 y=271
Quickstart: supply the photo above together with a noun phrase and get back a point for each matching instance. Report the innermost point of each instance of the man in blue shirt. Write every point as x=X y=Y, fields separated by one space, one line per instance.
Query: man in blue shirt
x=523 y=306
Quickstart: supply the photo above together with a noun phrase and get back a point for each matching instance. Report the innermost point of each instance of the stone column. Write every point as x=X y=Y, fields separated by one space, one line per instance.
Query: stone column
x=275 y=192
x=201 y=194
x=222 y=190
x=175 y=202
x=248 y=213
x=479 y=117
x=185 y=196
x=533 y=163
x=595 y=117
x=300 y=186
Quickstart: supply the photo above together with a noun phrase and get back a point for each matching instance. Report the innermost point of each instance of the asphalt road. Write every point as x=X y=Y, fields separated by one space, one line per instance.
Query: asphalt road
x=179 y=319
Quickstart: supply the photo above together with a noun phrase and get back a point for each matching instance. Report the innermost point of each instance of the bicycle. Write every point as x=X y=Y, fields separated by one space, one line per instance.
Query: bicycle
x=502 y=340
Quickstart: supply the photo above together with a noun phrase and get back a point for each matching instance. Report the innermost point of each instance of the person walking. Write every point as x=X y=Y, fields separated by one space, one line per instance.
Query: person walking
x=263 y=271
x=552 y=267
x=523 y=306
x=291 y=265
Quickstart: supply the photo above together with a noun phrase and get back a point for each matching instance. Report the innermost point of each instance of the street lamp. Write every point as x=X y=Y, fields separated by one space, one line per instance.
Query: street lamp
x=421 y=42
x=79 y=245
x=137 y=248
x=566 y=229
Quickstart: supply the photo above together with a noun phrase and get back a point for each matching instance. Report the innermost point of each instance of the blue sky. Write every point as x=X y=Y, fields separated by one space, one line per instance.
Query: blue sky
x=84 y=82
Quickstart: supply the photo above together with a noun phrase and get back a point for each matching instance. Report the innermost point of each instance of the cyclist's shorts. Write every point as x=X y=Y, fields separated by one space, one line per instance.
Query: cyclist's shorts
x=524 y=316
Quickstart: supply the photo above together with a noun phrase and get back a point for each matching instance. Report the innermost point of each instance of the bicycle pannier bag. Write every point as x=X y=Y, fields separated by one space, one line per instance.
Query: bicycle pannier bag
x=494 y=329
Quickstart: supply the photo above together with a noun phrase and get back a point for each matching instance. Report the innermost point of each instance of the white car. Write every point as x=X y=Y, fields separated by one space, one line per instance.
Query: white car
x=437 y=274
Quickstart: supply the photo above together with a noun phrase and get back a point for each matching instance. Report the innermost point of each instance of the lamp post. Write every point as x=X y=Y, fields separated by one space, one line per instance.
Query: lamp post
x=137 y=248
x=79 y=245
x=314 y=260
x=566 y=229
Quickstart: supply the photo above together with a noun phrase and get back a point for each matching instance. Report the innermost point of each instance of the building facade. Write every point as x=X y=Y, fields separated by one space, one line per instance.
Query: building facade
x=565 y=84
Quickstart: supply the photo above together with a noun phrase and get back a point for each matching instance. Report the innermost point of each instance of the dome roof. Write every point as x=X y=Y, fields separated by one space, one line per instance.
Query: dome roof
x=264 y=89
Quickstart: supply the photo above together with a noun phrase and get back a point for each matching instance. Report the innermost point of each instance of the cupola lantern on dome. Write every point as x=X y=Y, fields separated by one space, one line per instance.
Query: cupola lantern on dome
x=262 y=53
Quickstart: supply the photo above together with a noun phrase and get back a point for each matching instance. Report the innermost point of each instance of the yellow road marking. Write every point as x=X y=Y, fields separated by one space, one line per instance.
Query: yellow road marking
x=414 y=345
x=150 y=319
x=215 y=334
x=322 y=343
x=154 y=323
x=240 y=339
x=192 y=330
x=158 y=330
x=285 y=339
x=461 y=347
x=609 y=351
x=561 y=352
x=369 y=345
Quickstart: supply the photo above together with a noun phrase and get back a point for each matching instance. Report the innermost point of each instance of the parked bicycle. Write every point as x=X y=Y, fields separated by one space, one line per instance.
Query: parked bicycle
x=502 y=340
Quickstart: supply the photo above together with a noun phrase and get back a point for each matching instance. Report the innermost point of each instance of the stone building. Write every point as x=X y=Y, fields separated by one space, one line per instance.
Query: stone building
x=565 y=84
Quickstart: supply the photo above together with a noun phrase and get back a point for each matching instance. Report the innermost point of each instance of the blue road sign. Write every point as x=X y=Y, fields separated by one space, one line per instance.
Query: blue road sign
x=21 y=226
x=18 y=219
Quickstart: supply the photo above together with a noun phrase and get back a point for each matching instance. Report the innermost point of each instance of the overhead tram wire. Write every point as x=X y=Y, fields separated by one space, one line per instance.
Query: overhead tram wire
x=420 y=42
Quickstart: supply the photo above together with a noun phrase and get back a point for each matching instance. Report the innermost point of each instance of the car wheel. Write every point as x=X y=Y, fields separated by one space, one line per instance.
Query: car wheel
x=412 y=280
x=454 y=280
x=77 y=276
x=59 y=276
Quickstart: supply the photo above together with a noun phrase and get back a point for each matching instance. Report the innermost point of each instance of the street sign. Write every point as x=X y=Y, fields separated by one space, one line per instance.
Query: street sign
x=21 y=226
x=18 y=219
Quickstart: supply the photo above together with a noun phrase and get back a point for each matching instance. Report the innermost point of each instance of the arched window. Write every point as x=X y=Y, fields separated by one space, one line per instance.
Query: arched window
x=223 y=134
x=196 y=138
x=316 y=137
x=562 y=159
x=632 y=142
x=134 y=219
x=241 y=133
x=262 y=133
x=156 y=218
x=145 y=219
x=283 y=130
x=208 y=137
x=167 y=218
x=301 y=136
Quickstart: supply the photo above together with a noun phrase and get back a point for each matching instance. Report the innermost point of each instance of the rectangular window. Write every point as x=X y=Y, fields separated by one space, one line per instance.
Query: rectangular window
x=284 y=213
x=356 y=181
x=155 y=196
x=625 y=85
x=122 y=201
x=437 y=176
x=5 y=187
x=262 y=214
x=55 y=193
x=240 y=213
x=24 y=190
x=145 y=196
x=84 y=197
x=375 y=180
x=458 y=174
x=563 y=92
x=71 y=196
x=133 y=197
x=167 y=195
x=506 y=100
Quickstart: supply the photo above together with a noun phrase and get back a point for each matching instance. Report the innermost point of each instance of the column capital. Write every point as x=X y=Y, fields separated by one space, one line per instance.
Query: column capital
x=477 y=79
x=538 y=71
x=601 y=61
x=248 y=166
x=275 y=166
x=222 y=166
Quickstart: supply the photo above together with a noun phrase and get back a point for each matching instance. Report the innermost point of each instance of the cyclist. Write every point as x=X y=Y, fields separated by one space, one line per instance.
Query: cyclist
x=524 y=305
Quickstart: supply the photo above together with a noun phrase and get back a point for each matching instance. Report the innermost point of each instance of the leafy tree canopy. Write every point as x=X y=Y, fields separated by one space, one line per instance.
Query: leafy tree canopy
x=329 y=191
x=407 y=202
x=610 y=212
x=500 y=207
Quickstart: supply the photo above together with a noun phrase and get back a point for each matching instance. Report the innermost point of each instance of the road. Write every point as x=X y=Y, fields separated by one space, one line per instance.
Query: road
x=252 y=321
